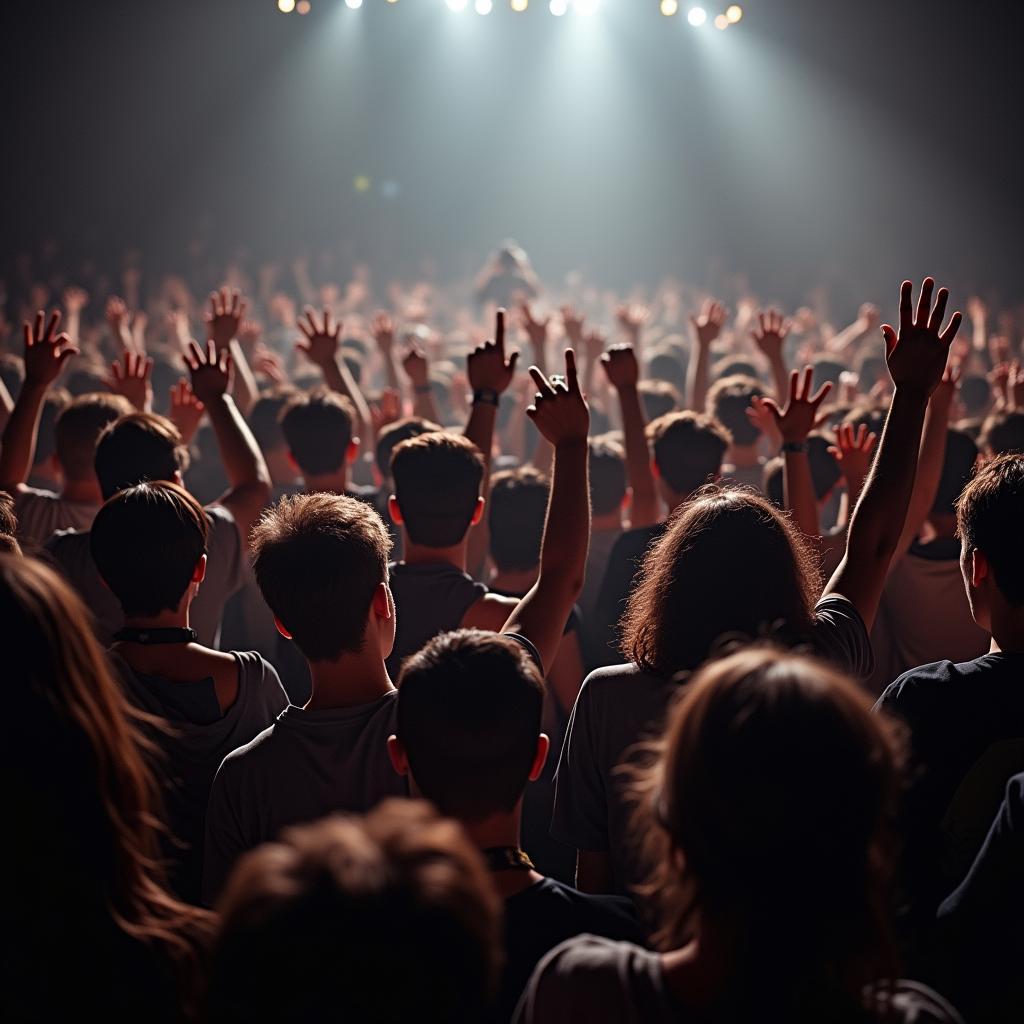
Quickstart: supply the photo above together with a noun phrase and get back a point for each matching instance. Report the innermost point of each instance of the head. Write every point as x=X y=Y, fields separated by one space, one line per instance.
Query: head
x=318 y=431
x=516 y=515
x=730 y=564
x=149 y=546
x=687 y=450
x=728 y=402
x=394 y=434
x=265 y=420
x=79 y=427
x=668 y=365
x=825 y=472
x=55 y=402
x=1003 y=434
x=313 y=924
x=768 y=817
x=828 y=370
x=138 y=447
x=957 y=467
x=8 y=526
x=989 y=516
x=437 y=488
x=731 y=366
x=659 y=398
x=321 y=563
x=469 y=720
x=976 y=395
x=608 y=483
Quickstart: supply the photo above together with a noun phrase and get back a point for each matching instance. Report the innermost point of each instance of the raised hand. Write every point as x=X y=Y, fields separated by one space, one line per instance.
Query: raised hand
x=943 y=395
x=387 y=410
x=416 y=366
x=249 y=334
x=270 y=364
x=487 y=366
x=211 y=371
x=868 y=317
x=800 y=416
x=186 y=410
x=708 y=324
x=322 y=339
x=853 y=451
x=559 y=410
x=772 y=331
x=917 y=354
x=593 y=344
x=130 y=377
x=45 y=352
x=632 y=318
x=227 y=308
x=620 y=366
x=116 y=314
x=572 y=321
x=382 y=328
x=1015 y=387
x=762 y=417
x=536 y=327
x=75 y=299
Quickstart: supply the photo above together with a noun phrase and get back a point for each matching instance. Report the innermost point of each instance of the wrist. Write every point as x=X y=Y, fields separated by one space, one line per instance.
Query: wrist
x=793 y=446
x=571 y=445
x=486 y=396
x=35 y=386
x=423 y=388
x=915 y=393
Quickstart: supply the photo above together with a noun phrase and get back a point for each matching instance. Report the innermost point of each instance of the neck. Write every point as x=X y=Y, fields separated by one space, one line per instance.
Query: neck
x=673 y=499
x=743 y=456
x=331 y=483
x=420 y=554
x=163 y=620
x=1007 y=630
x=85 y=491
x=609 y=521
x=515 y=581
x=353 y=679
x=282 y=472
x=502 y=830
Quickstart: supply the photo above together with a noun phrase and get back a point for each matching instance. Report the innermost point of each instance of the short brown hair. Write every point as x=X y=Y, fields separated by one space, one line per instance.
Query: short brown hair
x=394 y=434
x=1002 y=433
x=688 y=449
x=437 y=483
x=659 y=398
x=78 y=428
x=265 y=417
x=728 y=401
x=990 y=519
x=518 y=509
x=318 y=430
x=146 y=542
x=138 y=447
x=318 y=558
x=607 y=471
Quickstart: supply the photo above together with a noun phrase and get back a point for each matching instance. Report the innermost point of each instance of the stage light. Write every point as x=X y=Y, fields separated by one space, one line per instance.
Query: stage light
x=669 y=7
x=585 y=6
x=519 y=5
x=483 y=6
x=303 y=7
x=733 y=13
x=361 y=182
x=696 y=16
x=558 y=7
x=721 y=22
x=354 y=4
x=286 y=6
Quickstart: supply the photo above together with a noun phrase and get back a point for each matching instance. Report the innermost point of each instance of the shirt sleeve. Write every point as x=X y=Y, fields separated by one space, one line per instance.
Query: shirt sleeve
x=227 y=556
x=225 y=836
x=841 y=637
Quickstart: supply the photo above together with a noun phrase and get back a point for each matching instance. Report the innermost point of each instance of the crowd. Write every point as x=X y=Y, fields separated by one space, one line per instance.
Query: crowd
x=358 y=671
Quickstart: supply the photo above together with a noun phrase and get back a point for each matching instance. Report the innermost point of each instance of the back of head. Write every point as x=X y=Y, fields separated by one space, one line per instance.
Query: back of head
x=1003 y=433
x=976 y=394
x=688 y=449
x=437 y=483
x=658 y=397
x=733 y=366
x=56 y=401
x=990 y=514
x=318 y=431
x=265 y=418
x=78 y=428
x=730 y=564
x=394 y=434
x=318 y=558
x=728 y=402
x=669 y=365
x=769 y=812
x=825 y=471
x=138 y=447
x=517 y=510
x=827 y=370
x=957 y=467
x=607 y=476
x=146 y=542
x=469 y=714
x=315 y=925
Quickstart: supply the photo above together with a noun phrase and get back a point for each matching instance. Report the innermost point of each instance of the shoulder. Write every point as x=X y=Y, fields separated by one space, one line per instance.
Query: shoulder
x=68 y=545
x=613 y=917
x=489 y=611
x=247 y=758
x=608 y=682
x=219 y=518
x=254 y=666
x=841 y=636
x=922 y=682
x=914 y=1003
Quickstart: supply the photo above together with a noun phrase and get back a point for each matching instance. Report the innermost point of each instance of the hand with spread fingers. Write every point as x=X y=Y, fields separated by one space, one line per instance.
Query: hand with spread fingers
x=227 y=309
x=853 y=451
x=322 y=339
x=46 y=352
x=211 y=371
x=186 y=411
x=130 y=377
x=772 y=331
x=800 y=416
x=707 y=325
x=559 y=409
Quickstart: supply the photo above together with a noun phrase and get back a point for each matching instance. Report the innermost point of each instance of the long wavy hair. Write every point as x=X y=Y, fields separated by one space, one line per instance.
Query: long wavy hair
x=77 y=744
x=769 y=810
x=729 y=565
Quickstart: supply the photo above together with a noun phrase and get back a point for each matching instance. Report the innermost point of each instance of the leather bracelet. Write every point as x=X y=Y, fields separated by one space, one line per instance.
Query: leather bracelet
x=486 y=396
x=423 y=389
x=793 y=447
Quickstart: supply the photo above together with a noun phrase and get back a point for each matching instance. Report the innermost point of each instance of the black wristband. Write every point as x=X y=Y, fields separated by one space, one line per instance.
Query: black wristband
x=423 y=389
x=794 y=447
x=486 y=396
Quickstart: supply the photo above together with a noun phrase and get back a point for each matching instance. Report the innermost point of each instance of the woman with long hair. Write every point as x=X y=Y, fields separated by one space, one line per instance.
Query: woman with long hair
x=767 y=816
x=92 y=929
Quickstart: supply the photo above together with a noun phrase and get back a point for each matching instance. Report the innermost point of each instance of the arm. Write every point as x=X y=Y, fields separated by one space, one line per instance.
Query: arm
x=247 y=473
x=770 y=337
x=623 y=372
x=866 y=322
x=383 y=329
x=704 y=330
x=117 y=321
x=537 y=331
x=632 y=319
x=6 y=405
x=977 y=312
x=562 y=418
x=45 y=354
x=129 y=377
x=853 y=453
x=223 y=327
x=75 y=300
x=414 y=362
x=916 y=357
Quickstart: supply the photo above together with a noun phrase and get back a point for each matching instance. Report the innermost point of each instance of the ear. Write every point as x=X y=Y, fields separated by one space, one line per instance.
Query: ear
x=478 y=512
x=394 y=511
x=539 y=757
x=380 y=604
x=397 y=755
x=979 y=568
x=352 y=452
x=281 y=628
x=178 y=478
x=199 y=572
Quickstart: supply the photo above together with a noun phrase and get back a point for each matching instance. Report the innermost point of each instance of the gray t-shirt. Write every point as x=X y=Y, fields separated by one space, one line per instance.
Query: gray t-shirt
x=619 y=707
x=306 y=765
x=225 y=565
x=604 y=982
x=42 y=513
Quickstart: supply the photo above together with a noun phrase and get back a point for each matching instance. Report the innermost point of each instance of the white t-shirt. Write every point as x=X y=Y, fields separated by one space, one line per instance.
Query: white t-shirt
x=42 y=513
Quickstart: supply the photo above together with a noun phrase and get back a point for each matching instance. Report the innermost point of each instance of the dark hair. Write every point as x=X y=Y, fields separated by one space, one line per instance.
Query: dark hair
x=688 y=449
x=56 y=400
x=771 y=807
x=733 y=366
x=318 y=558
x=728 y=402
x=989 y=516
x=825 y=471
x=437 y=483
x=957 y=467
x=658 y=397
x=78 y=427
x=827 y=369
x=607 y=475
x=1003 y=433
x=8 y=517
x=871 y=415
x=313 y=924
x=976 y=394
x=518 y=507
x=265 y=417
x=469 y=714
x=138 y=447
x=318 y=431
x=668 y=365
x=394 y=434
x=146 y=542
x=729 y=564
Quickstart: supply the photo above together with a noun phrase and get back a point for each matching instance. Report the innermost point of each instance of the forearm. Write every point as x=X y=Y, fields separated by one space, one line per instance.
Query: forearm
x=645 y=506
x=338 y=378
x=245 y=391
x=19 y=437
x=391 y=371
x=697 y=378
x=423 y=404
x=780 y=378
x=842 y=340
x=241 y=456
x=563 y=553
x=6 y=405
x=930 y=461
x=798 y=490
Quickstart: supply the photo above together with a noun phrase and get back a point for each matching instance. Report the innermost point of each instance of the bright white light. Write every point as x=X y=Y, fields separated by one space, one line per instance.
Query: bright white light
x=456 y=5
x=520 y=5
x=286 y=6
x=669 y=7
x=484 y=6
x=733 y=13
x=586 y=6
x=558 y=7
x=696 y=16
x=354 y=4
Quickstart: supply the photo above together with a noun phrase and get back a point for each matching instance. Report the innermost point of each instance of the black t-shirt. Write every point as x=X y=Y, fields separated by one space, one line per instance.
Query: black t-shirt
x=540 y=918
x=967 y=738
